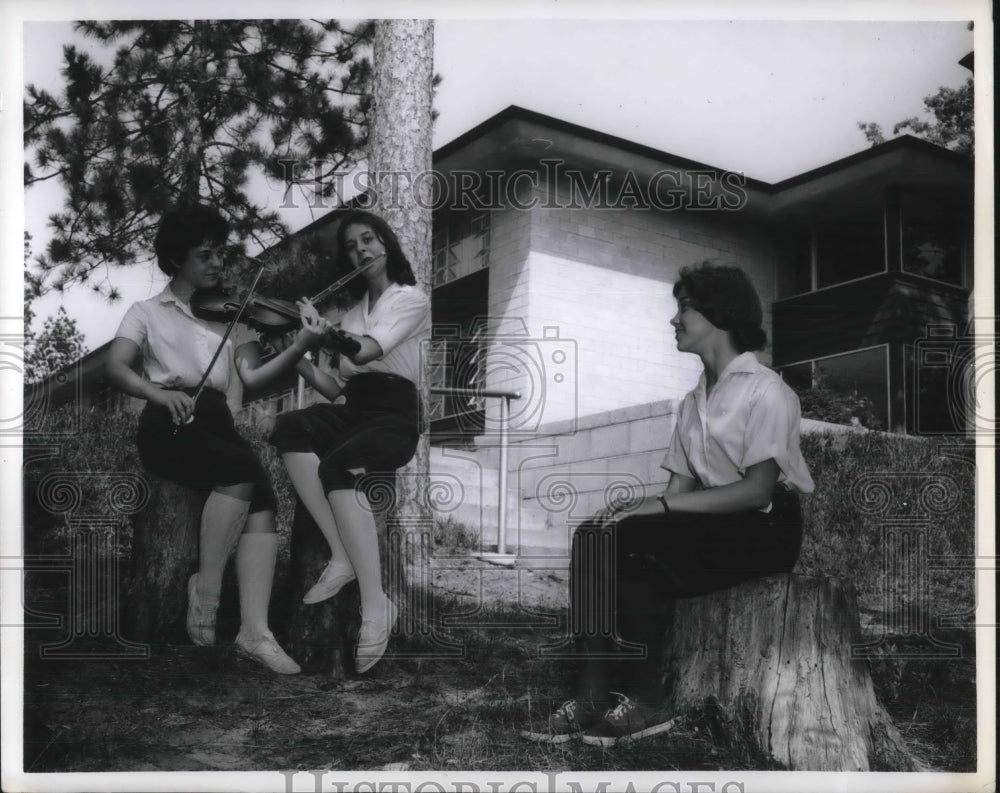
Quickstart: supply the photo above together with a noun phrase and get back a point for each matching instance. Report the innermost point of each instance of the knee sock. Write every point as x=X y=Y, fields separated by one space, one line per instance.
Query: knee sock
x=222 y=521
x=255 y=562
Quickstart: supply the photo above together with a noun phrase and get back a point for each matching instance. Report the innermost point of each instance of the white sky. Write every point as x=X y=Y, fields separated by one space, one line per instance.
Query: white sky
x=770 y=98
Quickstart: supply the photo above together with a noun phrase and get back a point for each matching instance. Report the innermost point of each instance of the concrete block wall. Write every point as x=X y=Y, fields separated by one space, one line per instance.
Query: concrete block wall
x=568 y=470
x=656 y=245
x=601 y=281
x=564 y=474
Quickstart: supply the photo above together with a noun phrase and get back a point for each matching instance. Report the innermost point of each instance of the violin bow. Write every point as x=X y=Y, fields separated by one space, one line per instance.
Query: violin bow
x=225 y=338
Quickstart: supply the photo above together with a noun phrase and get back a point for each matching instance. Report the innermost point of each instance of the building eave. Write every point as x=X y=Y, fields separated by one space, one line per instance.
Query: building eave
x=517 y=138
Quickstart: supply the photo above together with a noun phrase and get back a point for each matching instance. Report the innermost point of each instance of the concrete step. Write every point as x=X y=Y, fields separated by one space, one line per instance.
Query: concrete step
x=460 y=462
x=483 y=518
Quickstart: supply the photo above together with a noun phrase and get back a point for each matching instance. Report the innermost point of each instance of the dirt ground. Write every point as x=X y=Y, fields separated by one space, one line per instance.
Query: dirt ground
x=190 y=708
x=455 y=700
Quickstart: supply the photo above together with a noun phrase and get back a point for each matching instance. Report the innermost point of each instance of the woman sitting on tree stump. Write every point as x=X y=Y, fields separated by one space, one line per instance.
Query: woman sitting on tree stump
x=371 y=424
x=729 y=514
x=196 y=444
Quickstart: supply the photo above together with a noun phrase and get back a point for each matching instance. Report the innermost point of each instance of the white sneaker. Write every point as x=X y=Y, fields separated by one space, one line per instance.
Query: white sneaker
x=374 y=637
x=266 y=650
x=331 y=581
x=200 y=616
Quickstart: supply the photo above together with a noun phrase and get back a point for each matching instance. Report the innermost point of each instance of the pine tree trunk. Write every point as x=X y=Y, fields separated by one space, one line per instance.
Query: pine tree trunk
x=400 y=144
x=772 y=659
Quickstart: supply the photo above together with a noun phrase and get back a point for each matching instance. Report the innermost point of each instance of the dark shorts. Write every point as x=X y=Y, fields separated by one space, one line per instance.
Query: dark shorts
x=204 y=454
x=376 y=429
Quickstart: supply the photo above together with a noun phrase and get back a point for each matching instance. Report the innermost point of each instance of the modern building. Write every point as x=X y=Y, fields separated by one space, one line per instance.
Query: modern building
x=556 y=248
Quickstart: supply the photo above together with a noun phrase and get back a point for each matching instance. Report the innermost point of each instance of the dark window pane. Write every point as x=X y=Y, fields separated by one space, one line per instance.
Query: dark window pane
x=795 y=264
x=844 y=389
x=849 y=251
x=931 y=240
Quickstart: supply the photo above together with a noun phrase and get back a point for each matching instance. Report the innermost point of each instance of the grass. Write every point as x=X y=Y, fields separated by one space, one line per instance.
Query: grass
x=219 y=712
x=192 y=709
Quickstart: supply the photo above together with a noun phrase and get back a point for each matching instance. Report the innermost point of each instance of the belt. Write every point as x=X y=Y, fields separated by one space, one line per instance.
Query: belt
x=192 y=391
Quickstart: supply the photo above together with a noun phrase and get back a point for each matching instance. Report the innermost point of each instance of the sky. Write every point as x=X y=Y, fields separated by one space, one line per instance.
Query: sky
x=769 y=98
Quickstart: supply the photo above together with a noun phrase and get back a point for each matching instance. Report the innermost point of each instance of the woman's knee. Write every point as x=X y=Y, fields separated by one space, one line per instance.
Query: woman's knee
x=261 y=521
x=333 y=475
x=242 y=491
x=291 y=433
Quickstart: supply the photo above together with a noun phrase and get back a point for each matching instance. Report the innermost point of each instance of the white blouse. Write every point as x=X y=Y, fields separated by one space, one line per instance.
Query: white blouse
x=750 y=416
x=177 y=347
x=400 y=321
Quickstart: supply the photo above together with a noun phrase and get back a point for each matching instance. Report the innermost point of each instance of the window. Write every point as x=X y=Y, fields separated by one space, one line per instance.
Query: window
x=795 y=263
x=931 y=239
x=845 y=250
x=849 y=250
x=842 y=388
x=461 y=244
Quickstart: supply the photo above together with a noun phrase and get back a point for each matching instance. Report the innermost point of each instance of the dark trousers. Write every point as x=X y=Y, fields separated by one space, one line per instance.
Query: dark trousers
x=205 y=453
x=623 y=576
x=377 y=429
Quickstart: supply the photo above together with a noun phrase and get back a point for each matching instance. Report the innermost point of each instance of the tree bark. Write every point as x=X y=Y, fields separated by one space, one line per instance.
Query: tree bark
x=772 y=660
x=399 y=151
x=164 y=555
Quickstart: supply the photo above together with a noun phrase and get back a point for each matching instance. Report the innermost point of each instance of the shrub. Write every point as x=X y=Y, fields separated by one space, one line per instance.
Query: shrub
x=839 y=407
x=69 y=466
x=919 y=476
x=88 y=461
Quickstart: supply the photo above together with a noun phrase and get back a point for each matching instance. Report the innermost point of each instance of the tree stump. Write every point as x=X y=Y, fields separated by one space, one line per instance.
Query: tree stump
x=164 y=554
x=772 y=658
x=321 y=636
x=165 y=539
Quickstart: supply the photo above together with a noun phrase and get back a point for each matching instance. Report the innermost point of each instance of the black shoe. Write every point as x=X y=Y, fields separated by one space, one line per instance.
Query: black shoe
x=628 y=721
x=567 y=722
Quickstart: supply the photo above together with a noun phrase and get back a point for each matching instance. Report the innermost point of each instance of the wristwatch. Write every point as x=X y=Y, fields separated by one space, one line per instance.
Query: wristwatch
x=663 y=500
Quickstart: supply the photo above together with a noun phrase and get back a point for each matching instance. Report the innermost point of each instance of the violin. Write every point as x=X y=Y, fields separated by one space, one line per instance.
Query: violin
x=271 y=316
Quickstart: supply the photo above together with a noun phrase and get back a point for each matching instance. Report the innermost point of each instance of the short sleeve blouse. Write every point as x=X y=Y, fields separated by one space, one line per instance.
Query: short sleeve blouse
x=750 y=416
x=177 y=347
x=400 y=321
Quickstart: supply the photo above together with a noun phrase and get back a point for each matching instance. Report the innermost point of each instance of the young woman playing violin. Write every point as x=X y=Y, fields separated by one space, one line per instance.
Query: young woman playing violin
x=371 y=424
x=194 y=442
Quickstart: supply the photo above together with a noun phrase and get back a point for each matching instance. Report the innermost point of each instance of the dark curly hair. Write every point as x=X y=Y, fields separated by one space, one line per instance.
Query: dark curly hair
x=397 y=266
x=184 y=227
x=726 y=297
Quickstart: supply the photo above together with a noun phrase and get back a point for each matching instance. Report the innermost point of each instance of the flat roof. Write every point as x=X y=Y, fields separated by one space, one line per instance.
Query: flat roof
x=514 y=113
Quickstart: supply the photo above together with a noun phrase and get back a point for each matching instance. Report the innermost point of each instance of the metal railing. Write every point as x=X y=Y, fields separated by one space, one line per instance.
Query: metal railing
x=505 y=397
